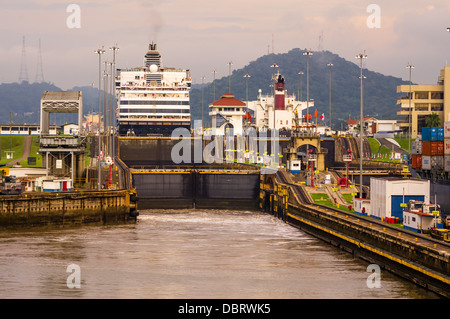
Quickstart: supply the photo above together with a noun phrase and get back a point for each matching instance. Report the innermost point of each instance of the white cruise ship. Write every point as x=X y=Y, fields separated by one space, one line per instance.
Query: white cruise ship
x=153 y=99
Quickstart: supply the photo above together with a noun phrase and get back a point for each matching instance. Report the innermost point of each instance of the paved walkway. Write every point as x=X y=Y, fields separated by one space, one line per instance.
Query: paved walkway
x=390 y=145
x=26 y=150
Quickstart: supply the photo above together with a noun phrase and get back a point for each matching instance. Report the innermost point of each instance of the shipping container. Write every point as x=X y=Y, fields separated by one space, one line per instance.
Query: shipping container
x=447 y=146
x=387 y=195
x=447 y=129
x=437 y=162
x=416 y=161
x=440 y=134
x=447 y=163
x=432 y=148
x=429 y=134
x=426 y=162
x=416 y=147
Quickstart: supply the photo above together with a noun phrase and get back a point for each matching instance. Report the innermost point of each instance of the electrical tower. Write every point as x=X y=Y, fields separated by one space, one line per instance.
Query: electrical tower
x=39 y=71
x=23 y=76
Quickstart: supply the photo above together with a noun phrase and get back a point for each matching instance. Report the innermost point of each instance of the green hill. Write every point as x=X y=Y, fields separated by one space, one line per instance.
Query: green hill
x=380 y=94
x=23 y=100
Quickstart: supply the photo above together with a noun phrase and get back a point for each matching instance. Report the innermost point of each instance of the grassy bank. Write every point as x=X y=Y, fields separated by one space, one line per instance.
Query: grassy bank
x=15 y=144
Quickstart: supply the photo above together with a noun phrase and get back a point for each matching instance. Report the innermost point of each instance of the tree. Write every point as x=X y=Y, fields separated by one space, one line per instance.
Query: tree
x=433 y=120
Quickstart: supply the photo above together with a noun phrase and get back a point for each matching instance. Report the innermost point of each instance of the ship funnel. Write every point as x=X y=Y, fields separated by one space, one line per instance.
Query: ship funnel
x=152 y=56
x=279 y=94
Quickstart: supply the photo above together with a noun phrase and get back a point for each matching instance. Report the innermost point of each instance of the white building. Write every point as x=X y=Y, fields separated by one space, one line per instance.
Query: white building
x=227 y=112
x=390 y=195
x=71 y=129
x=362 y=206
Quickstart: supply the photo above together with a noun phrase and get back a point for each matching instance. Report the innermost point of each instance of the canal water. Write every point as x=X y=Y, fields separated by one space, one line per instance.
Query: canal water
x=187 y=254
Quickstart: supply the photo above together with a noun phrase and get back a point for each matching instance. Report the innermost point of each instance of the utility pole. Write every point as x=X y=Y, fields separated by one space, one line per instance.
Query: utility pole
x=229 y=76
x=330 y=65
x=99 y=51
x=410 y=67
x=114 y=48
x=361 y=56
x=308 y=53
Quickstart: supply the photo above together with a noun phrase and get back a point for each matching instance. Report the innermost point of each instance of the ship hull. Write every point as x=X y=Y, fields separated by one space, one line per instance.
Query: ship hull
x=148 y=128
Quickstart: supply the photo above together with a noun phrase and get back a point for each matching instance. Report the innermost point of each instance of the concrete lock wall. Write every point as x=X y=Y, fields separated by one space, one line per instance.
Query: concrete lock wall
x=194 y=189
x=422 y=264
x=64 y=208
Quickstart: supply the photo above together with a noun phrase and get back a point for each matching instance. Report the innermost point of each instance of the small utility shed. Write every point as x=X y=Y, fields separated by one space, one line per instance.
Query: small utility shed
x=389 y=194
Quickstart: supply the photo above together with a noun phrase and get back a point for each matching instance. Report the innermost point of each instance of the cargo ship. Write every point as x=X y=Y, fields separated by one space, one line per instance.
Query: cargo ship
x=153 y=99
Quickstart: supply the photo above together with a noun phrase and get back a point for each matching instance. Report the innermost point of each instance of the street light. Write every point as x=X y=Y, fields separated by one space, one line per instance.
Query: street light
x=229 y=76
x=308 y=53
x=247 y=76
x=330 y=65
x=114 y=48
x=214 y=84
x=410 y=67
x=99 y=51
x=300 y=87
x=203 y=79
x=361 y=56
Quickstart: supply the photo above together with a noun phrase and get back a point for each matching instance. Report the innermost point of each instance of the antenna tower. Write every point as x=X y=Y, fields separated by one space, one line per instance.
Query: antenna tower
x=320 y=42
x=23 y=76
x=39 y=71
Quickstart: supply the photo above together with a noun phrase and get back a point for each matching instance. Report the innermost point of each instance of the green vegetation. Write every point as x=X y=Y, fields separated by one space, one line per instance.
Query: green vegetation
x=348 y=197
x=33 y=153
x=374 y=145
x=15 y=144
x=433 y=120
x=323 y=199
x=403 y=142
x=384 y=152
x=380 y=91
x=11 y=143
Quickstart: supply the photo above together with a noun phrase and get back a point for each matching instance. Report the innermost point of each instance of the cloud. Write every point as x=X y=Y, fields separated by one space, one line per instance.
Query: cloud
x=204 y=35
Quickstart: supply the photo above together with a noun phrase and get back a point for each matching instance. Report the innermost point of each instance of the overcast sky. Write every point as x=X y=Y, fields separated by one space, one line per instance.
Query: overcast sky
x=204 y=35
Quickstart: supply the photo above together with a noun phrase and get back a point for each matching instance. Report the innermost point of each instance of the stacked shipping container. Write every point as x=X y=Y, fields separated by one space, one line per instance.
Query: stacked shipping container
x=434 y=147
x=446 y=132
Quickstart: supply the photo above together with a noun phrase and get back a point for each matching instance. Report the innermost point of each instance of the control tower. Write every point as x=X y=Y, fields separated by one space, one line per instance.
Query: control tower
x=62 y=155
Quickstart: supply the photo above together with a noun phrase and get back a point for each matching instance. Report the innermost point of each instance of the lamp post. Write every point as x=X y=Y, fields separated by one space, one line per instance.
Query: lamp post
x=300 y=87
x=246 y=76
x=203 y=79
x=308 y=53
x=229 y=76
x=330 y=65
x=114 y=48
x=361 y=56
x=214 y=84
x=410 y=67
x=99 y=51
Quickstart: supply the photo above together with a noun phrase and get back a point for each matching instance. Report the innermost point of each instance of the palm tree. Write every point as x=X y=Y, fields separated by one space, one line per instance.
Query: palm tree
x=433 y=120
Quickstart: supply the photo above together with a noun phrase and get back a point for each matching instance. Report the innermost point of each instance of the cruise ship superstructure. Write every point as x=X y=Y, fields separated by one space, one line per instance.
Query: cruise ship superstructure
x=153 y=99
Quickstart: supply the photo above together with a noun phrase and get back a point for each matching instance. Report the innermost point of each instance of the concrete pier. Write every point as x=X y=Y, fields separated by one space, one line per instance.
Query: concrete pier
x=420 y=259
x=80 y=207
